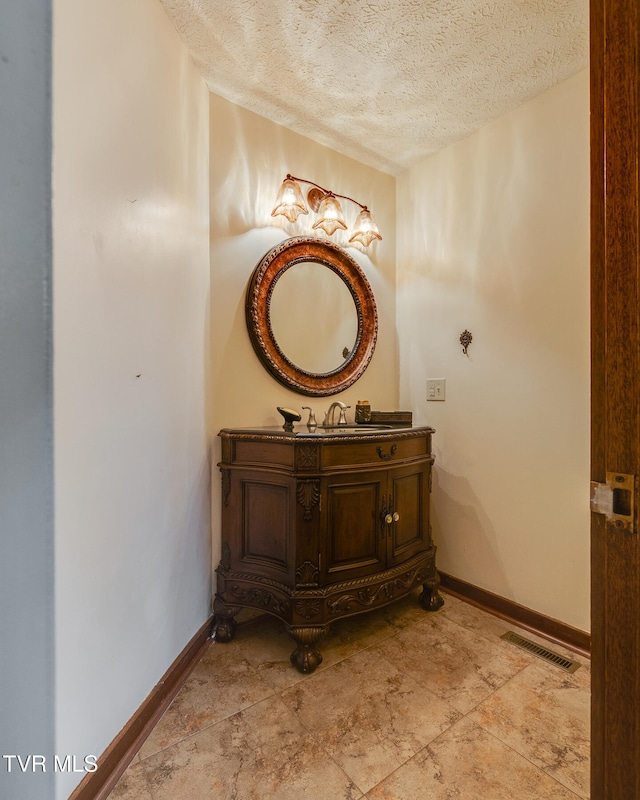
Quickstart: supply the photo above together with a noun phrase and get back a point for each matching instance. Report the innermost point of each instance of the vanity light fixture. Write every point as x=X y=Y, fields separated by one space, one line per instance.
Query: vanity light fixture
x=290 y=203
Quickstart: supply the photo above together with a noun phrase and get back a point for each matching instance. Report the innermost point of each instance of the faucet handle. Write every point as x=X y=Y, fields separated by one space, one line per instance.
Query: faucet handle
x=342 y=419
x=311 y=422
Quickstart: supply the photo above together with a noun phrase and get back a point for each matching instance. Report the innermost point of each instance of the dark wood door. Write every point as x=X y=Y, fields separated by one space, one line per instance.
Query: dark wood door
x=260 y=519
x=353 y=529
x=615 y=315
x=408 y=490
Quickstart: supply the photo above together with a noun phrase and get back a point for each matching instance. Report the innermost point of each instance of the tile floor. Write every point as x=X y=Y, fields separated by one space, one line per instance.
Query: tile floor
x=407 y=705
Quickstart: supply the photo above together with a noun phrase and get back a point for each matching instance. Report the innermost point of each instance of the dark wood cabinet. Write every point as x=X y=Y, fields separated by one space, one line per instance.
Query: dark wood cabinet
x=317 y=526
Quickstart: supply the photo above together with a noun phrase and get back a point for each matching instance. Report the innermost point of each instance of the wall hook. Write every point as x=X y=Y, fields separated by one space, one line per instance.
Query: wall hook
x=465 y=340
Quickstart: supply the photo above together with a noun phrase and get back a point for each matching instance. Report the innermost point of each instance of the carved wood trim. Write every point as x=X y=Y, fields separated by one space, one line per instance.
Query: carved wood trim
x=257 y=310
x=307 y=574
x=385 y=592
x=257 y=598
x=425 y=560
x=307 y=456
x=309 y=446
x=307 y=608
x=308 y=494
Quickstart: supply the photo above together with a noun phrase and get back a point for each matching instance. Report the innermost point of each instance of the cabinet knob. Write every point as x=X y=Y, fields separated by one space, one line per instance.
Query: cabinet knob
x=388 y=519
x=396 y=516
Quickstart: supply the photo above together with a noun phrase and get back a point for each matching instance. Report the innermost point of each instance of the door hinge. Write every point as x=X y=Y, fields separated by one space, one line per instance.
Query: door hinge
x=616 y=500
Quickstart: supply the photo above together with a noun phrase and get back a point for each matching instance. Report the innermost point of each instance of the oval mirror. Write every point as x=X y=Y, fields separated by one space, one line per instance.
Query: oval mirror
x=311 y=316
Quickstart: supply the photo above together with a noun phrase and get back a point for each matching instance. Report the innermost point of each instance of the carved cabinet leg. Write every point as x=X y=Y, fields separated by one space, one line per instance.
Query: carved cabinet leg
x=431 y=599
x=305 y=658
x=224 y=624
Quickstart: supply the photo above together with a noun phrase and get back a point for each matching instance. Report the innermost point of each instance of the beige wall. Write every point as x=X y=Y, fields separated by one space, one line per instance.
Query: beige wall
x=493 y=236
x=131 y=362
x=149 y=316
x=250 y=157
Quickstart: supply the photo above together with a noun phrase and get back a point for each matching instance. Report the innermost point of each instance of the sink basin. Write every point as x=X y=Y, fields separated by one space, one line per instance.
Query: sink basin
x=355 y=427
x=347 y=430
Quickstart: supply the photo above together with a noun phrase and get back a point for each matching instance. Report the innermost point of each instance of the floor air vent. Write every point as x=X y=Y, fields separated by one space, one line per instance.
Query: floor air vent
x=553 y=658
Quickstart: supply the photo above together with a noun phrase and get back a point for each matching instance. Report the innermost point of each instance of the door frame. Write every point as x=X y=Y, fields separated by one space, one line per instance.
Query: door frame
x=615 y=392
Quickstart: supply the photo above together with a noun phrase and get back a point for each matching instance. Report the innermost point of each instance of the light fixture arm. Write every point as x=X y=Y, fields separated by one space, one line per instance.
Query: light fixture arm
x=326 y=191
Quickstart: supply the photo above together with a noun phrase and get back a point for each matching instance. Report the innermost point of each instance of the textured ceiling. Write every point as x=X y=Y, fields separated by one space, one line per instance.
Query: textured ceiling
x=387 y=82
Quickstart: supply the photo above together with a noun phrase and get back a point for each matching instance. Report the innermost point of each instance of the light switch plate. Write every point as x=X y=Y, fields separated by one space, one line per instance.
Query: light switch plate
x=435 y=388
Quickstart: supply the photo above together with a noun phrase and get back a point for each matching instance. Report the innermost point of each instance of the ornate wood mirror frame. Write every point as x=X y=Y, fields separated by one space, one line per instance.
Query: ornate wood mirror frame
x=258 y=301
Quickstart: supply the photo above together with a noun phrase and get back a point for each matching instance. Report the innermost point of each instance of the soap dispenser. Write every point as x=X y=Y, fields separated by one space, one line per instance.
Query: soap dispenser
x=363 y=411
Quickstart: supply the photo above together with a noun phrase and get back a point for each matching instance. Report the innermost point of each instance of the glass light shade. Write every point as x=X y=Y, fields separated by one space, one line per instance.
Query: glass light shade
x=365 y=228
x=330 y=215
x=289 y=202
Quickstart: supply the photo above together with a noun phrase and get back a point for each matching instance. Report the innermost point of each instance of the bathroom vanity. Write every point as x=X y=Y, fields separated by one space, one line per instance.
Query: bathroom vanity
x=323 y=524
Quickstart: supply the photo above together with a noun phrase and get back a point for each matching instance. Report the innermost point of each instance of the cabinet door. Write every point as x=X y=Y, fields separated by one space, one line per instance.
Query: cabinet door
x=352 y=528
x=259 y=520
x=408 y=493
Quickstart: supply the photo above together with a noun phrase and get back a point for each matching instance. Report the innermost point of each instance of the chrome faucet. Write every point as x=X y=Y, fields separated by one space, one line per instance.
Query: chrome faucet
x=329 y=417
